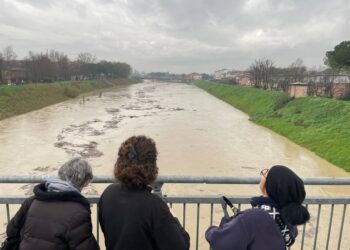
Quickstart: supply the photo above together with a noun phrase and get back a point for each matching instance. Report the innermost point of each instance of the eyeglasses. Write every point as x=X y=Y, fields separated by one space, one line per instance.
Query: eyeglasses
x=264 y=172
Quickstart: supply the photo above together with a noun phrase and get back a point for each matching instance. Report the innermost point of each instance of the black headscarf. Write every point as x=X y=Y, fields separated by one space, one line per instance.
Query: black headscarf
x=285 y=188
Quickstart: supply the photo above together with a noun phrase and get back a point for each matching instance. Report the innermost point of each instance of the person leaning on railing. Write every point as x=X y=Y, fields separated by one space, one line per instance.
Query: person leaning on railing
x=57 y=216
x=131 y=217
x=271 y=223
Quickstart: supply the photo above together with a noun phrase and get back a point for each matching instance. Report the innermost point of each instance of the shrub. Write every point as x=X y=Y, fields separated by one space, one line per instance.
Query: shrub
x=298 y=109
x=281 y=101
x=301 y=123
x=346 y=95
x=71 y=92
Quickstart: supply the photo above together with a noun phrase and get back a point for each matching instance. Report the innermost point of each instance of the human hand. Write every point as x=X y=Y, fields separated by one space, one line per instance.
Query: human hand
x=172 y=212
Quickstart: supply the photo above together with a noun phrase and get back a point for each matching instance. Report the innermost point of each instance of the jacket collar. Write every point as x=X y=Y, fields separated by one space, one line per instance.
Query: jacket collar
x=41 y=194
x=262 y=200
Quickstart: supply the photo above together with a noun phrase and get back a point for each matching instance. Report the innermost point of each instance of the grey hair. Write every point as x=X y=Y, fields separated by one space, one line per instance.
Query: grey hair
x=76 y=171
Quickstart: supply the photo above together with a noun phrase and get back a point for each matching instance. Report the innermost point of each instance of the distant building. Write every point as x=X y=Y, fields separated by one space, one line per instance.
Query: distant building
x=233 y=77
x=221 y=74
x=195 y=76
x=14 y=75
x=244 y=79
x=329 y=85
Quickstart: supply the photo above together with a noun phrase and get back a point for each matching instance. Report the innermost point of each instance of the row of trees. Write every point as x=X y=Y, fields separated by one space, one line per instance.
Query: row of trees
x=267 y=76
x=7 y=58
x=56 y=66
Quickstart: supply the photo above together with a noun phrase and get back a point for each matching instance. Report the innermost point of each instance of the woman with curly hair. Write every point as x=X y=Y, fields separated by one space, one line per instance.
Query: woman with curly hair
x=131 y=217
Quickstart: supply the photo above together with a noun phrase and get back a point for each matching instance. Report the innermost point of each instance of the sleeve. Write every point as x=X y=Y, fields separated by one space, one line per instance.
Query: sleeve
x=14 y=227
x=230 y=235
x=79 y=235
x=167 y=230
x=99 y=214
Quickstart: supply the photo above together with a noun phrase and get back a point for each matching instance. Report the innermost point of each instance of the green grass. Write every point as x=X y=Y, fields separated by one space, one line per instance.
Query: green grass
x=15 y=100
x=322 y=125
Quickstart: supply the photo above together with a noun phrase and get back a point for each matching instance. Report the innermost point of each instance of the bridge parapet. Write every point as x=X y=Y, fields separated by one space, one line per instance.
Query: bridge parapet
x=328 y=228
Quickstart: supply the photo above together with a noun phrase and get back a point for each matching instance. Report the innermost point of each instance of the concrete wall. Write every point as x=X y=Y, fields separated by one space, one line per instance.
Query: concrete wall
x=297 y=91
x=339 y=89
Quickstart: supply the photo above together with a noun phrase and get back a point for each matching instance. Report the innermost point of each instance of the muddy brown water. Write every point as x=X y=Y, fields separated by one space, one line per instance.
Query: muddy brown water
x=196 y=134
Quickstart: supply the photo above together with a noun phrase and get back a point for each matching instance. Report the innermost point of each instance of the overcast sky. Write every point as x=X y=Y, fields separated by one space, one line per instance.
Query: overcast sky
x=178 y=36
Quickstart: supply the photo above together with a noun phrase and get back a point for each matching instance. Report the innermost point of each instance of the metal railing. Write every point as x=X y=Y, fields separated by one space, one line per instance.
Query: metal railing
x=328 y=228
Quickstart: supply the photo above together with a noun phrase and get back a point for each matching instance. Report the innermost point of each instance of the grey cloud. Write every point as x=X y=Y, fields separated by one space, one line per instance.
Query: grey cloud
x=178 y=35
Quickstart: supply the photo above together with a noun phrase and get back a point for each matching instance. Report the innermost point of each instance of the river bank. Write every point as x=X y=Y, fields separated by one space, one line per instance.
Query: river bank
x=16 y=100
x=319 y=124
x=192 y=139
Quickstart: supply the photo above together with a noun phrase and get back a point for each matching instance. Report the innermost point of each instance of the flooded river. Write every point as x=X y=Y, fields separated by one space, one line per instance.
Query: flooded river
x=196 y=134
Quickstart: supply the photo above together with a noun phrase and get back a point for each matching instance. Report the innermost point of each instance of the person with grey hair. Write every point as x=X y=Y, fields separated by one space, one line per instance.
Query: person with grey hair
x=57 y=216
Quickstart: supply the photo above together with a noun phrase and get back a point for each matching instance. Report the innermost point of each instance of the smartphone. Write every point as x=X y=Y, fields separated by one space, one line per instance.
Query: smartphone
x=229 y=203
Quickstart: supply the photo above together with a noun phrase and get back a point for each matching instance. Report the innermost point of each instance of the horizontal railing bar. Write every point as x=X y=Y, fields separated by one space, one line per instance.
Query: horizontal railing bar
x=186 y=179
x=202 y=199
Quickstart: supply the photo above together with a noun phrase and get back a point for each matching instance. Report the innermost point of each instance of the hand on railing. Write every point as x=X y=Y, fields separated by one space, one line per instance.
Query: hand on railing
x=172 y=212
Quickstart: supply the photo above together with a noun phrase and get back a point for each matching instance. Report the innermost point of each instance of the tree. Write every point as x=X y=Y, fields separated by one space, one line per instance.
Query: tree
x=40 y=67
x=282 y=78
x=85 y=57
x=268 y=66
x=327 y=80
x=297 y=70
x=339 y=58
x=1 y=65
x=261 y=71
x=204 y=76
x=9 y=56
x=85 y=64
x=255 y=72
x=61 y=65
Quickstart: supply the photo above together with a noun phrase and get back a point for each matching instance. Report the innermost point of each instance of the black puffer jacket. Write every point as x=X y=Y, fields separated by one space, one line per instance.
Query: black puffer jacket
x=54 y=220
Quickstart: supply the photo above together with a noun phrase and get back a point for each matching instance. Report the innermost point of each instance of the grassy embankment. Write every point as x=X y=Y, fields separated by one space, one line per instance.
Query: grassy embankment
x=15 y=100
x=322 y=125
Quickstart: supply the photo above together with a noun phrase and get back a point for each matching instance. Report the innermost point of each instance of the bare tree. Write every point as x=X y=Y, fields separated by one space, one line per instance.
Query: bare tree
x=86 y=57
x=268 y=66
x=40 y=67
x=61 y=65
x=9 y=56
x=85 y=64
x=297 y=70
x=255 y=72
x=261 y=71
x=328 y=82
x=1 y=65
x=322 y=83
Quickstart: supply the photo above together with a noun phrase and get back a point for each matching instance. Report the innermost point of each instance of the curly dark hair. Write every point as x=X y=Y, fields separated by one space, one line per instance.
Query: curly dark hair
x=136 y=166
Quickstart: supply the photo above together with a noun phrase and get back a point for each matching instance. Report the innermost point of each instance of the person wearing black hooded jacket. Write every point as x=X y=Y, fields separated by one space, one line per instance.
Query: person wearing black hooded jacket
x=57 y=216
x=271 y=223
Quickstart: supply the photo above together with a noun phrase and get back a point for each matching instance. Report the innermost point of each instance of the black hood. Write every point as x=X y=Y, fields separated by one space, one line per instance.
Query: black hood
x=284 y=186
